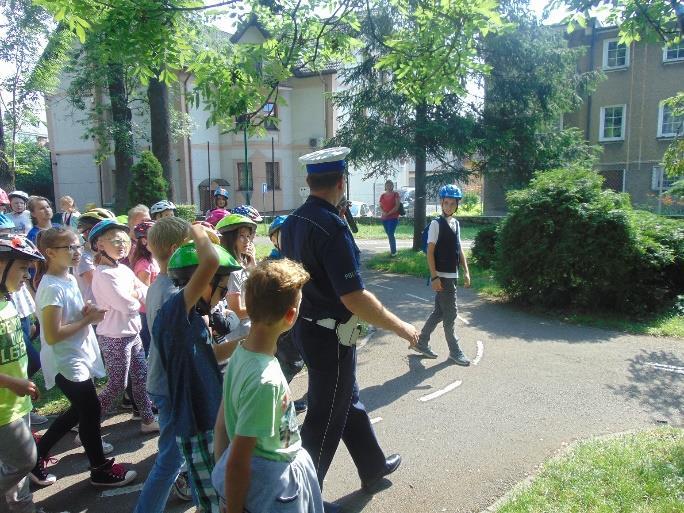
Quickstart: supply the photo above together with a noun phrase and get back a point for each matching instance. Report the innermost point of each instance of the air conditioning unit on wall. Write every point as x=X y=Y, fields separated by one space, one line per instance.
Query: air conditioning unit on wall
x=316 y=142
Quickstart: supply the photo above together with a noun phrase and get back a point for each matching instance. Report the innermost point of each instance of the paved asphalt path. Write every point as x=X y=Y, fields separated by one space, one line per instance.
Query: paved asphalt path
x=466 y=435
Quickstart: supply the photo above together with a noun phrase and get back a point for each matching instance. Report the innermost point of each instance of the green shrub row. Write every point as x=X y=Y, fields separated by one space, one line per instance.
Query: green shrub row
x=567 y=242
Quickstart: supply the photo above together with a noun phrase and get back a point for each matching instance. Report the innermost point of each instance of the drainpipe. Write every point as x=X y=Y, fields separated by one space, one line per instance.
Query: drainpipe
x=592 y=46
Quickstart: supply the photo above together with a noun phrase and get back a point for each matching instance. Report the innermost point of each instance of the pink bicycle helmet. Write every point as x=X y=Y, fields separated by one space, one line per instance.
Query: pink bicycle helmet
x=216 y=215
x=4 y=198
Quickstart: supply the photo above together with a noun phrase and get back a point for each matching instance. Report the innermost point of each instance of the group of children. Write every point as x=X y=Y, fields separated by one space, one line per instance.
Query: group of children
x=205 y=301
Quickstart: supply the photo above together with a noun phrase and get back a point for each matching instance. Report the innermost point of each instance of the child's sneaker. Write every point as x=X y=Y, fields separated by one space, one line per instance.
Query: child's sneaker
x=181 y=487
x=152 y=427
x=459 y=359
x=426 y=351
x=39 y=476
x=107 y=448
x=111 y=474
x=126 y=402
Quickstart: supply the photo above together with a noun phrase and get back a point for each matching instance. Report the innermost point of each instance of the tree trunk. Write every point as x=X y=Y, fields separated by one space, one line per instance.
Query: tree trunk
x=420 y=172
x=160 y=131
x=6 y=175
x=123 y=136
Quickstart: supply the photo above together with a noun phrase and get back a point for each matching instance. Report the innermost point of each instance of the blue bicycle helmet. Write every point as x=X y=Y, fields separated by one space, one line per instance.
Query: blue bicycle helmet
x=276 y=224
x=450 y=191
x=220 y=191
x=102 y=227
x=6 y=223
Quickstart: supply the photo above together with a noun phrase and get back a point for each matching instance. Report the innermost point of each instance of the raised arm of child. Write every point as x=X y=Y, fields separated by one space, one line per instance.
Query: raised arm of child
x=208 y=264
x=238 y=472
x=55 y=331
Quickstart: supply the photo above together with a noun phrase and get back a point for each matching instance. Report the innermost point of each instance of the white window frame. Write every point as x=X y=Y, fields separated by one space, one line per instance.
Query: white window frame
x=602 y=120
x=656 y=175
x=669 y=47
x=605 y=66
x=661 y=115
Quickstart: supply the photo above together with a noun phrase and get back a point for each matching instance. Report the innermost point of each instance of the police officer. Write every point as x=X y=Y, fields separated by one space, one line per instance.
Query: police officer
x=326 y=330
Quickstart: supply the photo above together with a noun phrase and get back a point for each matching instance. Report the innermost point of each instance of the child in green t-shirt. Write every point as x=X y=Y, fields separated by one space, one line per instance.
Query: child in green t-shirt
x=17 y=447
x=257 y=416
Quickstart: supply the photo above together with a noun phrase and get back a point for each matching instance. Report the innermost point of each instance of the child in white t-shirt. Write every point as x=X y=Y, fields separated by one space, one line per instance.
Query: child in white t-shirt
x=71 y=358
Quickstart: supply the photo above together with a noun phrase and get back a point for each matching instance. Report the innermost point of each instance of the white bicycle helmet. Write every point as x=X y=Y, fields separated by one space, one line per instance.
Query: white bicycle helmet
x=161 y=206
x=19 y=194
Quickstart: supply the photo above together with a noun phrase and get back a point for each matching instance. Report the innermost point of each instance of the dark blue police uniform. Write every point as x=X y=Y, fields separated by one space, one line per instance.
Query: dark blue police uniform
x=316 y=236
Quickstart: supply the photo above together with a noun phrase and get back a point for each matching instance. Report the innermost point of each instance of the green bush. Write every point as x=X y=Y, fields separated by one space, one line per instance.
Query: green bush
x=470 y=200
x=484 y=247
x=148 y=184
x=568 y=242
x=187 y=212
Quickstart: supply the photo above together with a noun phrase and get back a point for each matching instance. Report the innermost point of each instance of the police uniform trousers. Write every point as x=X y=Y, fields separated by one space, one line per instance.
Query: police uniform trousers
x=334 y=410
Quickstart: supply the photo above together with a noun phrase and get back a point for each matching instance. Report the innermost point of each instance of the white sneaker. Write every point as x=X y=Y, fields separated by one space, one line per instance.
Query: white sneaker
x=107 y=448
x=152 y=427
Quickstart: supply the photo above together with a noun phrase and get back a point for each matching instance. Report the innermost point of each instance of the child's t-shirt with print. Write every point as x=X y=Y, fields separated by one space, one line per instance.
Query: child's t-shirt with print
x=22 y=222
x=13 y=362
x=77 y=357
x=258 y=403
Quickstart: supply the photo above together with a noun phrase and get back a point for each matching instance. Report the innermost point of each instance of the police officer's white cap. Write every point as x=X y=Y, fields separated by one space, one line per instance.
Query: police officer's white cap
x=325 y=161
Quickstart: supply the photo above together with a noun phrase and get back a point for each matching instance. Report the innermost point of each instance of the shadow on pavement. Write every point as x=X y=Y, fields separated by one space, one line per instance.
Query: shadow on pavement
x=656 y=384
x=377 y=396
x=499 y=321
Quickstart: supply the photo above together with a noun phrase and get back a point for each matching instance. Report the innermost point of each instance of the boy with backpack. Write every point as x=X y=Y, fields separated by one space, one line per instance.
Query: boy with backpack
x=444 y=255
x=201 y=270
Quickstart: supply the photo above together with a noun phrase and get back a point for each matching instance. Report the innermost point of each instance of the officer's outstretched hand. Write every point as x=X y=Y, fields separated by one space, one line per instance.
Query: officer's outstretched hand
x=408 y=332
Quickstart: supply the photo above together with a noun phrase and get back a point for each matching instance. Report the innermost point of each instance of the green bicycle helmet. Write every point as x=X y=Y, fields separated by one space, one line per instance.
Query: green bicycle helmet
x=184 y=261
x=233 y=222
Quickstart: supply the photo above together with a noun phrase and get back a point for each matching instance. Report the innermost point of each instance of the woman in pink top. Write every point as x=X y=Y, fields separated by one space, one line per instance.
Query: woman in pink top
x=116 y=287
x=389 y=204
x=146 y=270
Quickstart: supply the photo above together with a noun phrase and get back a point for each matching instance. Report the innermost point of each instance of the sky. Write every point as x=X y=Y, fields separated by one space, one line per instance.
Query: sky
x=228 y=24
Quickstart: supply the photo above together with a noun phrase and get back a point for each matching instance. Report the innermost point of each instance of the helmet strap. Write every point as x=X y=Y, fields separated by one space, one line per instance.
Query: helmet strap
x=3 y=285
x=113 y=261
x=203 y=307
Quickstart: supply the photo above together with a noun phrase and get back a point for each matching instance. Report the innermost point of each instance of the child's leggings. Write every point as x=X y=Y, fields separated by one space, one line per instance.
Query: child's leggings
x=124 y=357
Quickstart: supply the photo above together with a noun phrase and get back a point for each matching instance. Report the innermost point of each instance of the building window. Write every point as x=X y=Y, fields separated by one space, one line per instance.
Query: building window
x=612 y=123
x=615 y=55
x=273 y=175
x=245 y=182
x=674 y=52
x=660 y=179
x=669 y=125
x=269 y=112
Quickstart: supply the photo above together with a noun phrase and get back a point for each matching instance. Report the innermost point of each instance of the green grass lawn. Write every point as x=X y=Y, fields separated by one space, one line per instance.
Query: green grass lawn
x=415 y=264
x=375 y=231
x=482 y=280
x=634 y=473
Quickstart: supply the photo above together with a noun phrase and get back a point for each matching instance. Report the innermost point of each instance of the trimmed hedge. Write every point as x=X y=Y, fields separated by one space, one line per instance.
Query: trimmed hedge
x=568 y=242
x=187 y=212
x=484 y=247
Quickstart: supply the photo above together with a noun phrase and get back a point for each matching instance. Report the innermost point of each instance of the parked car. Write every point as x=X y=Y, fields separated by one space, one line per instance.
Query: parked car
x=360 y=209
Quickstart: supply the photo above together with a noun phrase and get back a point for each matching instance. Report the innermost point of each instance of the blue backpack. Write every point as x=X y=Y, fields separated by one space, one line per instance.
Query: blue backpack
x=424 y=237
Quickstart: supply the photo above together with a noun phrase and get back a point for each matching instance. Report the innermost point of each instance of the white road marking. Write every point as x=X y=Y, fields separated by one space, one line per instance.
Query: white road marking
x=441 y=392
x=122 y=491
x=480 y=352
x=464 y=321
x=376 y=420
x=418 y=297
x=383 y=287
x=668 y=368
